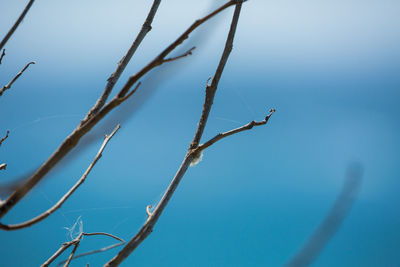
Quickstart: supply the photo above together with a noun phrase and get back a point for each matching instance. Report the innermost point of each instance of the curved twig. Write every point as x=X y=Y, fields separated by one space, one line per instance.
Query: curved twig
x=148 y=207
x=47 y=213
x=75 y=243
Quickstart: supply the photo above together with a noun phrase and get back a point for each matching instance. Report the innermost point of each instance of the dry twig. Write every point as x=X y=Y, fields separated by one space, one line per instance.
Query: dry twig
x=112 y=80
x=56 y=206
x=8 y=86
x=16 y=24
x=72 y=140
x=246 y=127
x=75 y=243
x=5 y=137
x=153 y=217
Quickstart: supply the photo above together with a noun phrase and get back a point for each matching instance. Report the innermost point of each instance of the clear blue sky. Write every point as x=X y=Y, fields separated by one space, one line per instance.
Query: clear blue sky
x=330 y=69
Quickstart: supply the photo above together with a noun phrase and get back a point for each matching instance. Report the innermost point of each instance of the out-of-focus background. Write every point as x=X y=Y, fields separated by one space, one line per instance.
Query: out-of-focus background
x=331 y=69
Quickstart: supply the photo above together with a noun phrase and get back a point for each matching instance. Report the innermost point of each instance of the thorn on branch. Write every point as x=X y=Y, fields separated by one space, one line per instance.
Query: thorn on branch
x=148 y=207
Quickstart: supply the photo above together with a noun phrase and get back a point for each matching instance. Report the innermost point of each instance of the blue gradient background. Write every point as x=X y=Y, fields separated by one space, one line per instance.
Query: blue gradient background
x=330 y=68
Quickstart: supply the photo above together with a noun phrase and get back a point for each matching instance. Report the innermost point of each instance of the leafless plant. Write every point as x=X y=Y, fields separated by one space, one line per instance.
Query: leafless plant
x=100 y=109
x=104 y=106
x=75 y=242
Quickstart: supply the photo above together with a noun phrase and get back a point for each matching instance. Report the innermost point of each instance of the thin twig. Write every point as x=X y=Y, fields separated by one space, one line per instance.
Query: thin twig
x=187 y=53
x=161 y=57
x=329 y=226
x=16 y=24
x=2 y=55
x=63 y=247
x=72 y=140
x=152 y=219
x=97 y=250
x=5 y=137
x=45 y=214
x=246 y=127
x=75 y=243
x=112 y=80
x=8 y=86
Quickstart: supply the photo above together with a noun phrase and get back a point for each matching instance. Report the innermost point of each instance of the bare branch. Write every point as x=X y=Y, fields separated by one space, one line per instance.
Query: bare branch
x=16 y=24
x=8 y=86
x=75 y=243
x=329 y=226
x=246 y=127
x=2 y=55
x=152 y=219
x=5 y=137
x=72 y=140
x=47 y=213
x=94 y=252
x=63 y=247
x=112 y=80
x=160 y=59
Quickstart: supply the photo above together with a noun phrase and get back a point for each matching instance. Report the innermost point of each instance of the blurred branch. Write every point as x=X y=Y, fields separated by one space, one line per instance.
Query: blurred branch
x=72 y=140
x=112 y=80
x=329 y=226
x=47 y=213
x=8 y=86
x=153 y=217
x=16 y=24
x=2 y=55
x=76 y=243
